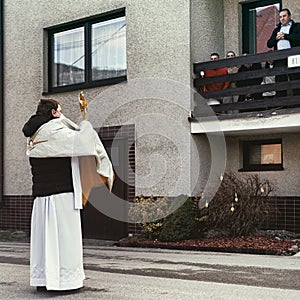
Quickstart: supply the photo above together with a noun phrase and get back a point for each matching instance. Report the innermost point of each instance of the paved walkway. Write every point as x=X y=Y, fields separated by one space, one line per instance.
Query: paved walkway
x=135 y=273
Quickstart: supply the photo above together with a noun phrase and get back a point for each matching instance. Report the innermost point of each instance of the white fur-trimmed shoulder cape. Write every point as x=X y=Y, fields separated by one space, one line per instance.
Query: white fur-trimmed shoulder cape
x=63 y=138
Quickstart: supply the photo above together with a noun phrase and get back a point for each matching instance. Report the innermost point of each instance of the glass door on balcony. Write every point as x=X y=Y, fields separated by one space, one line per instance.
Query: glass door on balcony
x=259 y=20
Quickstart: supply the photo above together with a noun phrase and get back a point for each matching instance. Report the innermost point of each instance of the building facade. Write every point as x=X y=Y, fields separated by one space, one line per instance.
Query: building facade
x=134 y=61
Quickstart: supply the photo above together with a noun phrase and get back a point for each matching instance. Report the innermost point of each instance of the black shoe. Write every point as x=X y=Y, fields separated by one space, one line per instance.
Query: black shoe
x=41 y=289
x=65 y=292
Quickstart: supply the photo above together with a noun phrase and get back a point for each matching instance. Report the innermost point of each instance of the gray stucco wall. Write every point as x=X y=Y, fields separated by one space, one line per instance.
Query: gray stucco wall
x=293 y=6
x=164 y=38
x=207 y=29
x=232 y=26
x=158 y=87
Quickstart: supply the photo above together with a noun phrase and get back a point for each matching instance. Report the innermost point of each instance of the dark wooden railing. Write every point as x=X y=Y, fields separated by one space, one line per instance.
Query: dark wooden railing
x=290 y=100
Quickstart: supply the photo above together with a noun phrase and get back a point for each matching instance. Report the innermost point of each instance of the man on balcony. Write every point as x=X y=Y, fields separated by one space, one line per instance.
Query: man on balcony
x=285 y=36
x=249 y=82
x=215 y=72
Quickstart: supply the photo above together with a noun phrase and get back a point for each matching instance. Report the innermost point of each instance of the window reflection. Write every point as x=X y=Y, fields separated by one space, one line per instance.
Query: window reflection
x=109 y=49
x=68 y=66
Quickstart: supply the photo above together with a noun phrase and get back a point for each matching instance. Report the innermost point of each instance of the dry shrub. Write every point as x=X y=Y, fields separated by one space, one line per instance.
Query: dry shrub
x=241 y=205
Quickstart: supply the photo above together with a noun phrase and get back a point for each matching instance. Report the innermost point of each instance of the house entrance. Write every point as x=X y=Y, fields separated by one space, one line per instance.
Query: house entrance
x=95 y=224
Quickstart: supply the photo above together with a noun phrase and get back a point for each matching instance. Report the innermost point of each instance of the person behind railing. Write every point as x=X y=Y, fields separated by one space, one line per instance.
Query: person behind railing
x=231 y=70
x=215 y=72
x=249 y=82
x=286 y=35
x=269 y=80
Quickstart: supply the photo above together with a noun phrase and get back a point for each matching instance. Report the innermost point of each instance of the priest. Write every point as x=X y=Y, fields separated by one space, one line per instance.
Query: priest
x=67 y=160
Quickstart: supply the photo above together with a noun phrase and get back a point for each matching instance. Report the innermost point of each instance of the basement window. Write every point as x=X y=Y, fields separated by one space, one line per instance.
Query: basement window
x=262 y=155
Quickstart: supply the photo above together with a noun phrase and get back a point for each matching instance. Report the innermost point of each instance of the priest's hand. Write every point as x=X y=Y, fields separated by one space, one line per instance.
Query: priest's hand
x=84 y=115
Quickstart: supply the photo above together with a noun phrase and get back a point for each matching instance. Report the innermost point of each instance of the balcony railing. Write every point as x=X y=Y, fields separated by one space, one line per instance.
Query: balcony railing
x=290 y=101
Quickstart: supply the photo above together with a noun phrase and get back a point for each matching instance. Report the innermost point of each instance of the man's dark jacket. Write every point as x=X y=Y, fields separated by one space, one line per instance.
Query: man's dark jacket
x=293 y=37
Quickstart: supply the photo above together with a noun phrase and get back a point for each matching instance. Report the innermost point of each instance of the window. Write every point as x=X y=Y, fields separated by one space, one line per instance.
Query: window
x=259 y=20
x=262 y=155
x=87 y=53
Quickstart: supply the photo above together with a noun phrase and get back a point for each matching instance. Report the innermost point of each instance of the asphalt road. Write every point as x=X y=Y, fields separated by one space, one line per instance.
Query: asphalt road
x=129 y=273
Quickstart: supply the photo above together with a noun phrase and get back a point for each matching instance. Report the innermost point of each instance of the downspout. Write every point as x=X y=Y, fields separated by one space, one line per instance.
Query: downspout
x=1 y=101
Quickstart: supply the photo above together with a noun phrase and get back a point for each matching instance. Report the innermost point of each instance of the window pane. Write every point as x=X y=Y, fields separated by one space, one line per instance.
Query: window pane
x=109 y=49
x=68 y=66
x=265 y=154
x=271 y=154
x=254 y=155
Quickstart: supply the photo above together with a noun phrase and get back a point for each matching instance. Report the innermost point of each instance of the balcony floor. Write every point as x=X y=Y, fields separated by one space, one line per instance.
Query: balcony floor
x=260 y=122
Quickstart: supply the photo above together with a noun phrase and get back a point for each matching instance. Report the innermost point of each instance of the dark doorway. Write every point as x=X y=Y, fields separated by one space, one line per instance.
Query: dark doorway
x=259 y=20
x=96 y=225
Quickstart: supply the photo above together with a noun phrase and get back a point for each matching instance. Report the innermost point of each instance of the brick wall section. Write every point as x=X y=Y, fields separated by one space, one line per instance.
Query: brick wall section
x=287 y=214
x=16 y=213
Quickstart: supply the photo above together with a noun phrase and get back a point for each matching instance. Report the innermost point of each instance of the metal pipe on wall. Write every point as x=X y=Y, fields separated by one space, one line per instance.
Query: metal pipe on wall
x=1 y=99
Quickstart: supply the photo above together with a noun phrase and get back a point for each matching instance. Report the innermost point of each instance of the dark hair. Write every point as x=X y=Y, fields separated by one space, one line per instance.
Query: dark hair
x=287 y=10
x=267 y=65
x=45 y=107
x=215 y=54
x=230 y=52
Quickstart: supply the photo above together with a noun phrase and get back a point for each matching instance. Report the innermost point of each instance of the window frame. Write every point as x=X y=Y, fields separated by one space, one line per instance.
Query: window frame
x=87 y=24
x=248 y=167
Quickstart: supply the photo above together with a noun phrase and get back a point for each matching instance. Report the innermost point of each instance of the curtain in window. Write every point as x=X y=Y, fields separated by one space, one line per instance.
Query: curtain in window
x=69 y=57
x=109 y=49
x=265 y=154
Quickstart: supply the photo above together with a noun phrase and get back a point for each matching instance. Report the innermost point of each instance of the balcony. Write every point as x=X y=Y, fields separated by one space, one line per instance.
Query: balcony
x=263 y=114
